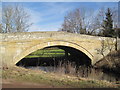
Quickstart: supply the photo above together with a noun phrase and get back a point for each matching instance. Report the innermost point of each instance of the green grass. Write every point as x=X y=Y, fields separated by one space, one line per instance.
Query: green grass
x=47 y=53
x=56 y=80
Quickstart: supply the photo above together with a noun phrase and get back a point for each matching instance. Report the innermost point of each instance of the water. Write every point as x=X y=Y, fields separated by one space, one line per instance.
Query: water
x=68 y=67
x=43 y=68
x=91 y=73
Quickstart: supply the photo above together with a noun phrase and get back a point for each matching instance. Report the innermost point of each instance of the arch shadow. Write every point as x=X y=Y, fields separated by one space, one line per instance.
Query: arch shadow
x=50 y=44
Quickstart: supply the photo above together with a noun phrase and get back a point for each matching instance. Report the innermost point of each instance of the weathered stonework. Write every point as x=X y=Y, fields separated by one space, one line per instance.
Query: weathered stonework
x=15 y=46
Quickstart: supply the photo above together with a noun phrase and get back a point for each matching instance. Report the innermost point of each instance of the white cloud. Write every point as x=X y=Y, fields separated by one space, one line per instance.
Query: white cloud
x=48 y=14
x=48 y=27
x=50 y=24
x=34 y=28
x=57 y=8
x=44 y=20
x=35 y=16
x=53 y=12
x=43 y=28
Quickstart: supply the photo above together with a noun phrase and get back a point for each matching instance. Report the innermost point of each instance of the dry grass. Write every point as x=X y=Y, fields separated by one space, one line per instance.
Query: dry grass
x=68 y=68
x=37 y=76
x=111 y=62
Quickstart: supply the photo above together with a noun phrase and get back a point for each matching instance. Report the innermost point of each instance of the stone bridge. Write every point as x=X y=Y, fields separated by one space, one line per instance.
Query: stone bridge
x=15 y=46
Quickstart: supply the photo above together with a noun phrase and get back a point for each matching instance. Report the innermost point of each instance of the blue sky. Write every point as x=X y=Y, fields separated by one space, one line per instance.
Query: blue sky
x=48 y=16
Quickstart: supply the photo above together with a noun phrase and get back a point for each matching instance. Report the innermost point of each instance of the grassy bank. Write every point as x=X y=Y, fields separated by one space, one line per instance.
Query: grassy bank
x=56 y=80
x=53 y=52
x=110 y=63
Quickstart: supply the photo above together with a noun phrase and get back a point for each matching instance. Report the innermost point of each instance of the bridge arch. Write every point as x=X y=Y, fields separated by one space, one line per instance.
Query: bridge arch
x=42 y=45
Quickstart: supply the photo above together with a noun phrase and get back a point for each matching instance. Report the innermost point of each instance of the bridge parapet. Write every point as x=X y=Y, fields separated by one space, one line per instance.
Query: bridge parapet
x=40 y=35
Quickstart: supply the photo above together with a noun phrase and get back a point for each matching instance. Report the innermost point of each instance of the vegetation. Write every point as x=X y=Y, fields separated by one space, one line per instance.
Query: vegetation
x=108 y=30
x=56 y=80
x=110 y=62
x=74 y=22
x=69 y=68
x=103 y=24
x=47 y=53
x=118 y=32
x=15 y=19
x=65 y=75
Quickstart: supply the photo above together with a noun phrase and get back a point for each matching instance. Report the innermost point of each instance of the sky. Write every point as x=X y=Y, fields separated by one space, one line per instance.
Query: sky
x=60 y=0
x=49 y=16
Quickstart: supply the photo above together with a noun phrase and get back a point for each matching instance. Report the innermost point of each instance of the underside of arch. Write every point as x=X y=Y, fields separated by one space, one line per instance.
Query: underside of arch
x=52 y=43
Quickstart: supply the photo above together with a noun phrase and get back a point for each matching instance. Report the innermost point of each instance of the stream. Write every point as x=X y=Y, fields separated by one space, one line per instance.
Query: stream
x=64 y=66
x=92 y=74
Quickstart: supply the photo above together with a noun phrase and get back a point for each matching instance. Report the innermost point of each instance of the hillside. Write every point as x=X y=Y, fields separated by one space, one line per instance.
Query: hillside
x=110 y=63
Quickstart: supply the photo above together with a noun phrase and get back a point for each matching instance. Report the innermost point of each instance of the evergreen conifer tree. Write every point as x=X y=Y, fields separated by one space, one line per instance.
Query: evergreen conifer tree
x=108 y=30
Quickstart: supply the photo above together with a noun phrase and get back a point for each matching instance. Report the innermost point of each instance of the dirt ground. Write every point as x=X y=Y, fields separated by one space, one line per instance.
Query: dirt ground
x=17 y=84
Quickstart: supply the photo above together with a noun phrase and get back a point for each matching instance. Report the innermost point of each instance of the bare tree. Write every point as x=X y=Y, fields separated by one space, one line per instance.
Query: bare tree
x=8 y=19
x=1 y=31
x=15 y=19
x=80 y=21
x=95 y=22
x=21 y=19
x=103 y=48
x=101 y=16
x=107 y=44
x=116 y=25
x=74 y=22
x=114 y=11
x=93 y=25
